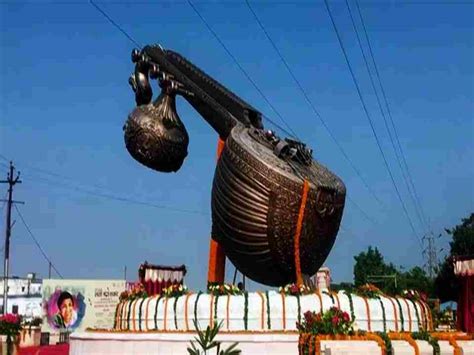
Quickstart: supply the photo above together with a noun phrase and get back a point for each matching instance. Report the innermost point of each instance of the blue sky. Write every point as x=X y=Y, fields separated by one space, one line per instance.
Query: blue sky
x=64 y=99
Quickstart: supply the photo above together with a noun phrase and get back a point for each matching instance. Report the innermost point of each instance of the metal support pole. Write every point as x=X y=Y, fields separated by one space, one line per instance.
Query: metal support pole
x=11 y=182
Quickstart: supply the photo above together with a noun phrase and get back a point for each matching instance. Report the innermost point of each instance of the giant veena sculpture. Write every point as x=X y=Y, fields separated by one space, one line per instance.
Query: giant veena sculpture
x=275 y=211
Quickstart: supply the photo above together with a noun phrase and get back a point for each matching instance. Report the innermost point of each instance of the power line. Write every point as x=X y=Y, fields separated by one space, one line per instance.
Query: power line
x=121 y=198
x=36 y=242
x=383 y=113
x=371 y=123
x=105 y=193
x=391 y=118
x=97 y=7
x=310 y=103
x=240 y=67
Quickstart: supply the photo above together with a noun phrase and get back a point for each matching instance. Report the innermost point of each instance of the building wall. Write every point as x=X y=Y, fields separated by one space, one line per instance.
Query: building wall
x=24 y=296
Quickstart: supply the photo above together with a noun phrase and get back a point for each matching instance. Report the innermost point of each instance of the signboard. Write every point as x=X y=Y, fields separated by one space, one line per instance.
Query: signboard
x=80 y=304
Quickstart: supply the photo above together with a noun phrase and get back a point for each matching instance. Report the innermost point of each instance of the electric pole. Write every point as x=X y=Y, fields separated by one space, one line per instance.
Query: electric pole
x=11 y=181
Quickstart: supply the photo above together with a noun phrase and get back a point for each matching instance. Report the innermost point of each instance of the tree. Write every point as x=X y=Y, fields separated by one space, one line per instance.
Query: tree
x=370 y=267
x=446 y=283
x=371 y=263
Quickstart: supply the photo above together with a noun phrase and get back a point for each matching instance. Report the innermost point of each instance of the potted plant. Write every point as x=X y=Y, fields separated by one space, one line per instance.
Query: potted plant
x=10 y=327
x=30 y=334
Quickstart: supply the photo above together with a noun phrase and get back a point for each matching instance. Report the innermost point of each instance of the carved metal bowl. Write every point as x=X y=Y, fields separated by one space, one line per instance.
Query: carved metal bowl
x=256 y=198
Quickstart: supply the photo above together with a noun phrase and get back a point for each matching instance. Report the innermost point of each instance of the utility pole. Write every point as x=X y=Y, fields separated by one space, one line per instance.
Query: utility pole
x=49 y=270
x=11 y=181
x=125 y=273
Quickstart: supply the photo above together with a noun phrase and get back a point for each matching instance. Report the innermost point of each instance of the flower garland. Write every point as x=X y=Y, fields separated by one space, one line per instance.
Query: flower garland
x=424 y=335
x=116 y=315
x=409 y=314
x=367 y=308
x=227 y=311
x=384 y=317
x=186 y=321
x=156 y=311
x=223 y=289
x=129 y=312
x=388 y=343
x=351 y=304
x=299 y=227
x=402 y=321
x=211 y=310
x=331 y=297
x=299 y=307
x=146 y=313
x=310 y=344
x=216 y=298
x=416 y=313
x=269 y=324
x=294 y=289
x=174 y=311
x=283 y=309
x=406 y=337
x=196 y=304
x=175 y=290
x=246 y=309
x=165 y=316
x=140 y=314
x=368 y=291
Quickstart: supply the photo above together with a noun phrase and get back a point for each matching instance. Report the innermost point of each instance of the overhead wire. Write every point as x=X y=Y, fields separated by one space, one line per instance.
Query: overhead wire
x=377 y=140
x=98 y=8
x=389 y=112
x=94 y=190
x=37 y=242
x=369 y=72
x=317 y=114
x=234 y=59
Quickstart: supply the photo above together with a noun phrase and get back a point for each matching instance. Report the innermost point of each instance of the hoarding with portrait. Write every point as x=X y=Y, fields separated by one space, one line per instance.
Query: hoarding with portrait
x=79 y=304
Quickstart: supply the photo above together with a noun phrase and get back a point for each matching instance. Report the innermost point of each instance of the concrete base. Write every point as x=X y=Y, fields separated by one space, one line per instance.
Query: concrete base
x=177 y=343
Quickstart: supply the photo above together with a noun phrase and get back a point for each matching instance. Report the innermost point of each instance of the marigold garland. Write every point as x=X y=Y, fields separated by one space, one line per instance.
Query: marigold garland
x=307 y=341
x=211 y=309
x=269 y=324
x=227 y=311
x=394 y=312
x=299 y=227
x=426 y=336
x=402 y=321
x=283 y=310
x=406 y=337
x=165 y=317
x=174 y=311
x=367 y=308
x=186 y=320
